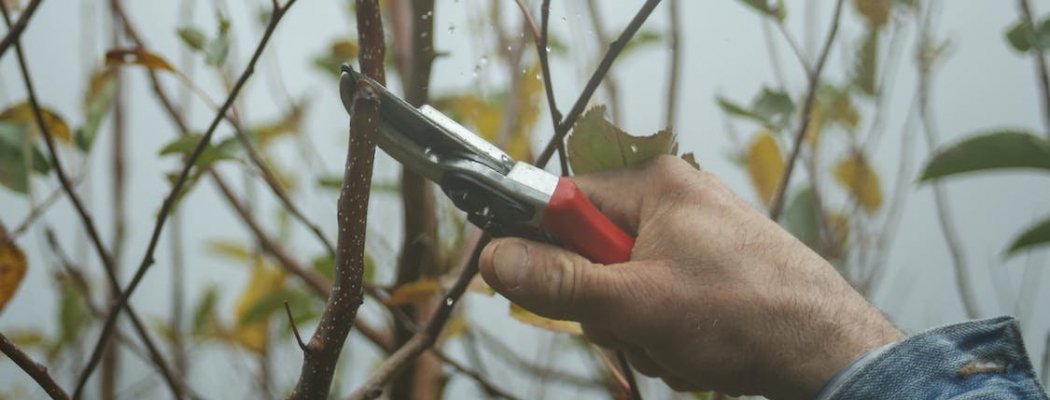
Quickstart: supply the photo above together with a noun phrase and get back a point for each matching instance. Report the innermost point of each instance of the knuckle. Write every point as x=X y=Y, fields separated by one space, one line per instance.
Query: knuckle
x=562 y=282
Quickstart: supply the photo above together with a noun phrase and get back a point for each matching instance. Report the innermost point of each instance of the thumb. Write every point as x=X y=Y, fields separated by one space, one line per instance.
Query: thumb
x=550 y=281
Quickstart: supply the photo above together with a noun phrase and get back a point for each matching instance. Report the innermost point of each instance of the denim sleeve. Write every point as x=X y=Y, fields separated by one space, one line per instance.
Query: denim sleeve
x=983 y=359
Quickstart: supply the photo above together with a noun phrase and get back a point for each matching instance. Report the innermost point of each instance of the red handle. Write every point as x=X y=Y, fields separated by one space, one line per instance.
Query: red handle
x=574 y=220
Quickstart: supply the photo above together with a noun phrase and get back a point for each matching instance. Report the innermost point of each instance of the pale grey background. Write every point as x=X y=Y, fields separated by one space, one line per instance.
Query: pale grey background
x=982 y=85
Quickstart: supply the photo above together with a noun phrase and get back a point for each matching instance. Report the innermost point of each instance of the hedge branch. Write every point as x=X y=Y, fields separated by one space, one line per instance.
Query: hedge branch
x=169 y=201
x=322 y=353
x=777 y=205
x=596 y=78
x=32 y=368
x=1040 y=65
x=85 y=217
x=15 y=31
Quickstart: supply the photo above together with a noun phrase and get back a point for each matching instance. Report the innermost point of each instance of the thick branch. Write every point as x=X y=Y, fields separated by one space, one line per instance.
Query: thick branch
x=777 y=205
x=596 y=78
x=169 y=201
x=15 y=31
x=36 y=371
x=325 y=346
x=1040 y=65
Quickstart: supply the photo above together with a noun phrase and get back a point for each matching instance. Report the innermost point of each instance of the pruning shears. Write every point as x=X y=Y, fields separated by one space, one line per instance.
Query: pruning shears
x=503 y=196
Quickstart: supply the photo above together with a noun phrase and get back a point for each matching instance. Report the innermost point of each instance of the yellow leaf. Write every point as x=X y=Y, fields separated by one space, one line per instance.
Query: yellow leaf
x=839 y=225
x=413 y=292
x=289 y=123
x=877 y=12
x=765 y=165
x=528 y=317
x=12 y=268
x=860 y=180
x=230 y=249
x=255 y=335
x=22 y=113
x=119 y=57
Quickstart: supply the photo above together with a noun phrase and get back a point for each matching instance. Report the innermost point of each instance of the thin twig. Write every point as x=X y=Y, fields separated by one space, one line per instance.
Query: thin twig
x=944 y=214
x=40 y=208
x=676 y=64
x=423 y=339
x=625 y=367
x=176 y=190
x=1040 y=65
x=793 y=44
x=295 y=329
x=322 y=354
x=317 y=283
x=596 y=78
x=86 y=220
x=15 y=31
x=32 y=368
x=777 y=205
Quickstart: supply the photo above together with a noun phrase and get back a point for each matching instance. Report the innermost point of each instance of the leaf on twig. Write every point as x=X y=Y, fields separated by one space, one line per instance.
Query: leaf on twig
x=1022 y=36
x=801 y=217
x=288 y=124
x=554 y=325
x=98 y=100
x=22 y=113
x=866 y=66
x=876 y=12
x=228 y=149
x=989 y=151
x=204 y=319
x=12 y=268
x=855 y=174
x=137 y=56
x=340 y=51
x=771 y=108
x=15 y=163
x=192 y=37
x=643 y=39
x=597 y=145
x=254 y=335
x=765 y=165
x=774 y=10
x=1035 y=236
x=233 y=250
x=414 y=292
x=833 y=107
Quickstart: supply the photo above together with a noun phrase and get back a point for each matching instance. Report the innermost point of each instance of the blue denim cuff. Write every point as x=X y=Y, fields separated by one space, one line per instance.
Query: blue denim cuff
x=983 y=359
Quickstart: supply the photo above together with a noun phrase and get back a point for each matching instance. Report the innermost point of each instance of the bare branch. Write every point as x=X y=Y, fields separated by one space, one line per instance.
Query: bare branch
x=36 y=371
x=596 y=78
x=169 y=201
x=295 y=329
x=15 y=31
x=87 y=222
x=322 y=354
x=1040 y=65
x=423 y=339
x=777 y=205
x=944 y=214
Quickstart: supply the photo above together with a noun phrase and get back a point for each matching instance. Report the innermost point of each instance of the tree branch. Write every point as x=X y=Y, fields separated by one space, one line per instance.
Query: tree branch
x=423 y=339
x=15 y=31
x=169 y=202
x=596 y=78
x=32 y=368
x=322 y=354
x=85 y=217
x=777 y=205
x=1040 y=65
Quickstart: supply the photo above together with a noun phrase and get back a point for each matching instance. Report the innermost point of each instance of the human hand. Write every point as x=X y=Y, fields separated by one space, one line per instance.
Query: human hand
x=716 y=295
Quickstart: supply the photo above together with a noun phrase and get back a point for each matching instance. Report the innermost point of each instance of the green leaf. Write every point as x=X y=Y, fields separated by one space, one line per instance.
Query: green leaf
x=216 y=50
x=802 y=218
x=597 y=145
x=98 y=100
x=15 y=169
x=340 y=51
x=990 y=151
x=1035 y=236
x=1022 y=36
x=269 y=303
x=776 y=10
x=72 y=314
x=325 y=265
x=204 y=312
x=227 y=149
x=643 y=39
x=771 y=108
x=866 y=67
x=691 y=159
x=192 y=37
